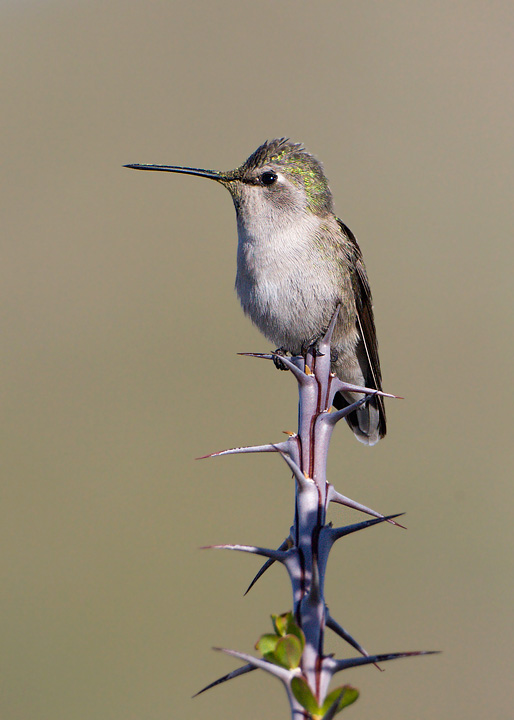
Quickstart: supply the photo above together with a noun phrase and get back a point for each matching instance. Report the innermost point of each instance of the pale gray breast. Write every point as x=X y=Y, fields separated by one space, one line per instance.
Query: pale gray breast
x=285 y=283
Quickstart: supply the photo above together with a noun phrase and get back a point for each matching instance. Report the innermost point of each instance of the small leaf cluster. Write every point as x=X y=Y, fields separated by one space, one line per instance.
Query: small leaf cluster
x=284 y=647
x=334 y=702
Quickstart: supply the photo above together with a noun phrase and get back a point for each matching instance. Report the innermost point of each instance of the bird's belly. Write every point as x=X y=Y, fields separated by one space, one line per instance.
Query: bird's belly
x=291 y=312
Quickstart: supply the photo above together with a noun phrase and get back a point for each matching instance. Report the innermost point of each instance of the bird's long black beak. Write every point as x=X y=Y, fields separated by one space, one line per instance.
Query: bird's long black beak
x=212 y=174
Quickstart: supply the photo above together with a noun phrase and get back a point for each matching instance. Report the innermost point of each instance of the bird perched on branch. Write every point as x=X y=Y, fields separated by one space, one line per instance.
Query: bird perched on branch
x=296 y=261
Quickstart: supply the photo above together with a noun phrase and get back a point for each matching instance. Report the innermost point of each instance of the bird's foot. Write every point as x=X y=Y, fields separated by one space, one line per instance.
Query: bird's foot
x=312 y=347
x=276 y=358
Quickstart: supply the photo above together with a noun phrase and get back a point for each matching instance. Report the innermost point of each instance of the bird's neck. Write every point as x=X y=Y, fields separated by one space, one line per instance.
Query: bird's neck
x=273 y=239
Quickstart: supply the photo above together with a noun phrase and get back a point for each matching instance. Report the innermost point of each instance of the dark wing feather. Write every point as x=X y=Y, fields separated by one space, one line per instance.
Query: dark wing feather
x=365 y=321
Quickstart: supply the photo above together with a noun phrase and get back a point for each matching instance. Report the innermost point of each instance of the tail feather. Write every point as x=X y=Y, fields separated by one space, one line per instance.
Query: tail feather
x=368 y=423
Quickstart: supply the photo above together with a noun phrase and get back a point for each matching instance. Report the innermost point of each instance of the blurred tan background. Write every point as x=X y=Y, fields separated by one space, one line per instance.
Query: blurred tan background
x=120 y=330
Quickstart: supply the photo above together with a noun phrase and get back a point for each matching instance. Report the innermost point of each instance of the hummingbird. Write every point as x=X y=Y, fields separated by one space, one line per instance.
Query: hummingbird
x=296 y=262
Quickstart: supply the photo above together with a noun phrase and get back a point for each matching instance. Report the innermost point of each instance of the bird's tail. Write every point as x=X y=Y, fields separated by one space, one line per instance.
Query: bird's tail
x=368 y=422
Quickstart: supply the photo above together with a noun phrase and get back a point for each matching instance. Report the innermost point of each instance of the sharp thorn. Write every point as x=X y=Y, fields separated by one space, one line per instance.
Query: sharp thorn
x=235 y=673
x=339 y=630
x=269 y=562
x=334 y=496
x=261 y=572
x=336 y=533
x=372 y=659
x=276 y=670
x=263 y=356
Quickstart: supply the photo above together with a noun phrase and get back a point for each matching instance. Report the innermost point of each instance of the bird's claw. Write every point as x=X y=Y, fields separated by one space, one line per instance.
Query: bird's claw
x=276 y=359
x=311 y=347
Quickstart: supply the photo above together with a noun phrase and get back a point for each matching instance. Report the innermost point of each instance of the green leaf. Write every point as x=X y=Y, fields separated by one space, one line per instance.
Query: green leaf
x=294 y=629
x=288 y=652
x=280 y=623
x=348 y=695
x=304 y=695
x=267 y=643
x=286 y=646
x=285 y=624
x=270 y=657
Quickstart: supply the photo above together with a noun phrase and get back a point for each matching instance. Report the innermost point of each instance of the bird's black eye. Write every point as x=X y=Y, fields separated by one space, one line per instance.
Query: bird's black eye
x=268 y=177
